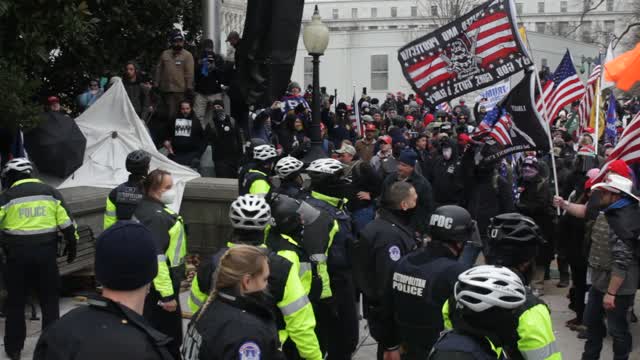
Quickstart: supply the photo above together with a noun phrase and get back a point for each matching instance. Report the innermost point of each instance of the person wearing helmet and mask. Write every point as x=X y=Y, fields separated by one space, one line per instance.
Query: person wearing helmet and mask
x=289 y=170
x=534 y=200
x=256 y=179
x=514 y=240
x=486 y=297
x=376 y=251
x=250 y=215
x=416 y=307
x=339 y=334
x=162 y=305
x=236 y=322
x=123 y=199
x=31 y=214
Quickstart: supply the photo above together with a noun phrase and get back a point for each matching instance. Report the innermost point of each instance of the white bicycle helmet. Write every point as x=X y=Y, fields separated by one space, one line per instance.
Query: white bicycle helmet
x=485 y=286
x=325 y=166
x=250 y=212
x=20 y=165
x=264 y=152
x=287 y=166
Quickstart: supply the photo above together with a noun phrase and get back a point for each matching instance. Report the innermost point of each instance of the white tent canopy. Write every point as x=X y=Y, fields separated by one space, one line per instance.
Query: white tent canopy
x=113 y=130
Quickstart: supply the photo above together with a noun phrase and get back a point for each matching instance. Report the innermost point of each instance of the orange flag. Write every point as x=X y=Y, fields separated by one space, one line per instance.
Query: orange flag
x=625 y=69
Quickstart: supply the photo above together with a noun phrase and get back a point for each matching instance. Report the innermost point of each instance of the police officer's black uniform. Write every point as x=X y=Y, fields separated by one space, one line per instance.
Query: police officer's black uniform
x=389 y=237
x=124 y=199
x=31 y=214
x=424 y=279
x=233 y=327
x=104 y=330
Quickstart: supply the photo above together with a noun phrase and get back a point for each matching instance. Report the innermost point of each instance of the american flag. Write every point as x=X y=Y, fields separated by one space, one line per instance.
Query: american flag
x=627 y=149
x=564 y=88
x=584 y=109
x=496 y=124
x=494 y=39
x=444 y=107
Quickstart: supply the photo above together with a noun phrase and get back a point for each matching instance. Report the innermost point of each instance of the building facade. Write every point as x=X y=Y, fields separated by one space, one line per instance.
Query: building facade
x=366 y=35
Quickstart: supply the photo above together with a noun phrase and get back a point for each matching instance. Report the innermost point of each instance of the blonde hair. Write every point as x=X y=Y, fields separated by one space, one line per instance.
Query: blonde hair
x=236 y=262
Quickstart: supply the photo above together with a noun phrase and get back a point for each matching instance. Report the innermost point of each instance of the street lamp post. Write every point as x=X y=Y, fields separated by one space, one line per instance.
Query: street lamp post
x=316 y=38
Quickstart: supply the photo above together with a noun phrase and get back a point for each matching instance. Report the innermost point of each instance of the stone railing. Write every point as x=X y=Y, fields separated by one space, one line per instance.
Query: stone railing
x=205 y=208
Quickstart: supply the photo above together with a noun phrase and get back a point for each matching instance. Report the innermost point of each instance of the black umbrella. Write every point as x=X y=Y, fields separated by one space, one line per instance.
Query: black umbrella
x=57 y=145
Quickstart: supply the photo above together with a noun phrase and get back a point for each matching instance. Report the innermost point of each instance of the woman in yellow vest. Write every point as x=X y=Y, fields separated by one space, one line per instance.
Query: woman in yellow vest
x=162 y=305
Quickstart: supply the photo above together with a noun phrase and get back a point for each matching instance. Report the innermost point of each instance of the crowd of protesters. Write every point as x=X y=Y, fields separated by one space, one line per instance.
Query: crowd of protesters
x=388 y=226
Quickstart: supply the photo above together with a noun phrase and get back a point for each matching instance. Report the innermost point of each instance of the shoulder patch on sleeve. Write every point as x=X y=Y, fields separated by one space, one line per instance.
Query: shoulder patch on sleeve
x=249 y=351
x=394 y=253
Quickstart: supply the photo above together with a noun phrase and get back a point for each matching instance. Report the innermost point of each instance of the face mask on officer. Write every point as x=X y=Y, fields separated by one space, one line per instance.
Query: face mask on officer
x=168 y=197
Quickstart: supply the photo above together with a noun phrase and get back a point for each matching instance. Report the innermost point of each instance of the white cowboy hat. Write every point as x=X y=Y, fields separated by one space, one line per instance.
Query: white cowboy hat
x=616 y=184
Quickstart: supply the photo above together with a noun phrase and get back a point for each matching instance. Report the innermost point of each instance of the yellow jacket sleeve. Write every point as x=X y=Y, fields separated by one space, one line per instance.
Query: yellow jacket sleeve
x=259 y=187
x=109 y=214
x=197 y=298
x=299 y=319
x=162 y=282
x=537 y=341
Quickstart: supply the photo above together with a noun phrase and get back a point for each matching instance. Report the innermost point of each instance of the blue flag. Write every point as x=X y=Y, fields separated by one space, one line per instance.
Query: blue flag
x=611 y=133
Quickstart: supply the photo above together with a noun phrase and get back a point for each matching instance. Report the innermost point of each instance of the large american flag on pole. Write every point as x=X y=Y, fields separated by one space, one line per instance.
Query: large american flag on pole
x=564 y=88
x=475 y=51
x=584 y=109
x=627 y=149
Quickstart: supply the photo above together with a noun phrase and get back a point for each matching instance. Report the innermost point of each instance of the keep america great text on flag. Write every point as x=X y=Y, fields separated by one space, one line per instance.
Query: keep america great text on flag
x=474 y=51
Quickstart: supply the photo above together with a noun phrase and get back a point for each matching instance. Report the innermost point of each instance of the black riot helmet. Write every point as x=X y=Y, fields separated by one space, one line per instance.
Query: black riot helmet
x=138 y=162
x=290 y=214
x=513 y=239
x=451 y=223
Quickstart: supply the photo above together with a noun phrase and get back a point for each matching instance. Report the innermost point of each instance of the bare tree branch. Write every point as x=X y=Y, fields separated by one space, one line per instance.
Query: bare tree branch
x=625 y=32
x=582 y=16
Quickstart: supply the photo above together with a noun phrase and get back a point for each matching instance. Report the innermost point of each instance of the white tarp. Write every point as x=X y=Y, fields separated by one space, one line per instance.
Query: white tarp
x=113 y=130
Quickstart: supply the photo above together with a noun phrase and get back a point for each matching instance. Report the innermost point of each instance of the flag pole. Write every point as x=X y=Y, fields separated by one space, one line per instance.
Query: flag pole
x=597 y=134
x=546 y=124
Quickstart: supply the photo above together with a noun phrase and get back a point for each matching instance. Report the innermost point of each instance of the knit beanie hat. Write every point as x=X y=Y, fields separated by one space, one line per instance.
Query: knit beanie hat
x=408 y=157
x=126 y=256
x=587 y=150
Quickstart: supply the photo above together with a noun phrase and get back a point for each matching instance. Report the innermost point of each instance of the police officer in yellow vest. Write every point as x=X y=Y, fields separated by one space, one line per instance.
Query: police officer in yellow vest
x=162 y=305
x=256 y=180
x=124 y=199
x=250 y=215
x=339 y=328
x=513 y=241
x=31 y=214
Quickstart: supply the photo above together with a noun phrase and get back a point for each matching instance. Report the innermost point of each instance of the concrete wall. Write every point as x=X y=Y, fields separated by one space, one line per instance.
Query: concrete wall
x=204 y=208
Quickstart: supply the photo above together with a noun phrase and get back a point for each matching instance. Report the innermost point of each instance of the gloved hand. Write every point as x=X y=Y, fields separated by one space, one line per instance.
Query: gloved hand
x=71 y=251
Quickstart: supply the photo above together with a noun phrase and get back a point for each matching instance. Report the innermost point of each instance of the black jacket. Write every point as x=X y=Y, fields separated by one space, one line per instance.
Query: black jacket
x=389 y=240
x=425 y=204
x=103 y=330
x=447 y=181
x=363 y=178
x=211 y=83
x=487 y=195
x=418 y=314
x=535 y=197
x=126 y=198
x=138 y=95
x=232 y=327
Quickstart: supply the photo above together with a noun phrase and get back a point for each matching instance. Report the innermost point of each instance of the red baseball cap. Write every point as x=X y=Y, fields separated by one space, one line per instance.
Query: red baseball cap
x=370 y=127
x=53 y=99
x=620 y=167
x=410 y=118
x=385 y=139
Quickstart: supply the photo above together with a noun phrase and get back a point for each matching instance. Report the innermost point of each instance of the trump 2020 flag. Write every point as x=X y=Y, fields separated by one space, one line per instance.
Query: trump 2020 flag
x=611 y=131
x=515 y=123
x=473 y=52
